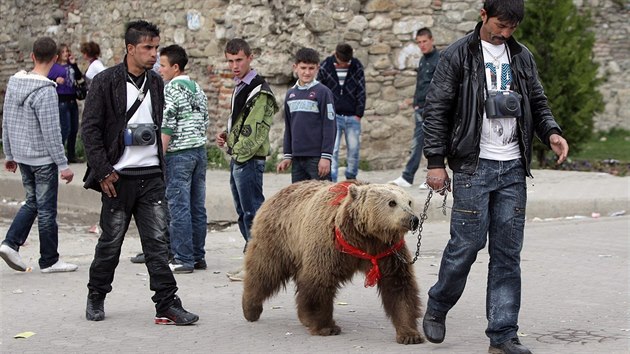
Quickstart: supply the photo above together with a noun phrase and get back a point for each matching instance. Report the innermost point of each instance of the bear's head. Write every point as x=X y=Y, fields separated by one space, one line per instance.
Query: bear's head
x=383 y=211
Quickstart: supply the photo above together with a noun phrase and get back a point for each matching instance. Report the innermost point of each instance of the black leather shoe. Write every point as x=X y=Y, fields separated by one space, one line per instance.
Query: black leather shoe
x=95 y=309
x=512 y=346
x=139 y=258
x=434 y=327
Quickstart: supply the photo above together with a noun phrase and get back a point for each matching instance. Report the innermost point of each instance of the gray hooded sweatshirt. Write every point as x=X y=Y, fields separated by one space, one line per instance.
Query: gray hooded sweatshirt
x=31 y=133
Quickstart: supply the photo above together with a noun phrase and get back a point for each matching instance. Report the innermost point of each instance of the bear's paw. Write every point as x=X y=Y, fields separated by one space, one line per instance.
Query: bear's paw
x=411 y=337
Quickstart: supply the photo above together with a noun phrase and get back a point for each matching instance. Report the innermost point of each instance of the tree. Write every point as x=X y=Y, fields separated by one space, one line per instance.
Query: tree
x=562 y=43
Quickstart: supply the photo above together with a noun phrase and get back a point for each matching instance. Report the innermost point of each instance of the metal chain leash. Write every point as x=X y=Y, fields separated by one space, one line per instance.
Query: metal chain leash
x=423 y=218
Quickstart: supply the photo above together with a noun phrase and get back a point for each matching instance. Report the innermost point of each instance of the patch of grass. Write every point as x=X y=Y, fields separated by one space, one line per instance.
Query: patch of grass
x=611 y=145
x=607 y=152
x=216 y=158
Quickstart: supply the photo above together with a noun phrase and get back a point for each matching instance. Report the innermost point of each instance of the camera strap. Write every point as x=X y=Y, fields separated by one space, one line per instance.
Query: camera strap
x=141 y=95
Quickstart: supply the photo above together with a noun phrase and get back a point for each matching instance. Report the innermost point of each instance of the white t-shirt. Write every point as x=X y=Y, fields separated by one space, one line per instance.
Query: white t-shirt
x=499 y=136
x=95 y=67
x=139 y=156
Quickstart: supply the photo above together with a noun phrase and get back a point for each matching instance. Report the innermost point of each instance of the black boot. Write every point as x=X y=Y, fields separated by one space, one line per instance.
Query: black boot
x=434 y=327
x=95 y=309
x=511 y=346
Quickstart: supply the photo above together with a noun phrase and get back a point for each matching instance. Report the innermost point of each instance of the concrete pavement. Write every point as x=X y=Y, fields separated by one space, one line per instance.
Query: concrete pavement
x=550 y=193
x=575 y=300
x=575 y=282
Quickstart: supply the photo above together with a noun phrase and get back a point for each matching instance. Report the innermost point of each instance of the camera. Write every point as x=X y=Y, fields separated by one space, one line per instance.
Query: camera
x=141 y=134
x=503 y=104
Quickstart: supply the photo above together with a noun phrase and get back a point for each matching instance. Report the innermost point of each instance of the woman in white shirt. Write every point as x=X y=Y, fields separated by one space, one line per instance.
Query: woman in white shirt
x=91 y=51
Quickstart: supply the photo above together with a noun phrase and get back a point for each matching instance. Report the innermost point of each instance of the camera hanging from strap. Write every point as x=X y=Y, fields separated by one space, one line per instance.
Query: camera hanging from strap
x=141 y=95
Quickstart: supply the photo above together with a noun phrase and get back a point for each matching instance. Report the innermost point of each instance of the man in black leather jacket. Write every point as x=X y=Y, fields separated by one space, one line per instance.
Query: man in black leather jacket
x=489 y=154
x=128 y=169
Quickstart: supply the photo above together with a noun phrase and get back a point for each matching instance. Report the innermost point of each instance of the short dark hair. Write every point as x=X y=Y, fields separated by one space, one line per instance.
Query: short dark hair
x=236 y=45
x=512 y=11
x=344 y=52
x=424 y=31
x=135 y=31
x=176 y=55
x=307 y=55
x=91 y=49
x=44 y=49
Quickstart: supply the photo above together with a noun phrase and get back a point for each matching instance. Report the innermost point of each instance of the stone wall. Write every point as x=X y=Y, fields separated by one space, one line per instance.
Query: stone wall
x=381 y=31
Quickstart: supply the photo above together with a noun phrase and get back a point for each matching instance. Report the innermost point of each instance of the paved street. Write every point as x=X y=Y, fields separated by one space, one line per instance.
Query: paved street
x=575 y=299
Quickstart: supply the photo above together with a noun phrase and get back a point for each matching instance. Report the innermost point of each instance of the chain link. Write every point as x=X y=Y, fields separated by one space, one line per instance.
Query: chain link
x=423 y=217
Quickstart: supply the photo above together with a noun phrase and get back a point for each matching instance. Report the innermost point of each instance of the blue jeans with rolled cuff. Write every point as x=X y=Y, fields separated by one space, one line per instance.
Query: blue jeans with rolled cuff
x=246 y=182
x=350 y=128
x=487 y=205
x=41 y=184
x=186 y=196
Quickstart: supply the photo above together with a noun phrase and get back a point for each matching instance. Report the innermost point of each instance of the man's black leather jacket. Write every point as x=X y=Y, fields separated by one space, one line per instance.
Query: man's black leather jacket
x=453 y=114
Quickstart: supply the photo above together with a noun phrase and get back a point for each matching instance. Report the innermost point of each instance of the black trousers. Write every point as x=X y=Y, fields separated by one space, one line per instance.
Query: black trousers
x=144 y=199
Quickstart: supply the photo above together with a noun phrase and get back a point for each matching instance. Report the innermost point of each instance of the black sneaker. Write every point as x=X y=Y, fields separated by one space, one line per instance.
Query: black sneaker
x=178 y=268
x=176 y=315
x=139 y=258
x=201 y=264
x=95 y=309
x=434 y=327
x=512 y=346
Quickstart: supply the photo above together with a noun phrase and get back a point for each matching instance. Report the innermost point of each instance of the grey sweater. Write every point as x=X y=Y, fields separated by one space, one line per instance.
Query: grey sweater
x=31 y=133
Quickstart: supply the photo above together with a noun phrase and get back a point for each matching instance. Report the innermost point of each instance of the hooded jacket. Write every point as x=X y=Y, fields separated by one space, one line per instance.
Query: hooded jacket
x=453 y=114
x=252 y=115
x=104 y=120
x=31 y=132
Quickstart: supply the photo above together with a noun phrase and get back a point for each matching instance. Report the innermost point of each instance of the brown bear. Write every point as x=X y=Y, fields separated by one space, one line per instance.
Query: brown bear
x=320 y=234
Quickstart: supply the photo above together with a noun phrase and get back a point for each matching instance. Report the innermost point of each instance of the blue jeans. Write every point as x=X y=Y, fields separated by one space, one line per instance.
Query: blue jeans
x=416 y=148
x=144 y=199
x=69 y=119
x=41 y=184
x=186 y=195
x=246 y=182
x=490 y=202
x=350 y=128
x=306 y=168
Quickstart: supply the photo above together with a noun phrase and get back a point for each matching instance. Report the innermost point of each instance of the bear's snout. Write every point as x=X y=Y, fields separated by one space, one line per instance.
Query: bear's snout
x=413 y=222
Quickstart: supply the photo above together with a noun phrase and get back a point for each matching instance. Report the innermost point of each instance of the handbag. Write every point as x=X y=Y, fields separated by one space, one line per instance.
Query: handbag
x=80 y=89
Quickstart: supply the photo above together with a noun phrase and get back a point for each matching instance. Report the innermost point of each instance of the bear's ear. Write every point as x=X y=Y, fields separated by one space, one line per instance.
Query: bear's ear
x=353 y=191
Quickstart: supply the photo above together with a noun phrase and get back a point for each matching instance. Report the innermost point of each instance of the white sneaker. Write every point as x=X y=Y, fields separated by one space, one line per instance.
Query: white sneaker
x=12 y=257
x=60 y=266
x=233 y=272
x=400 y=182
x=424 y=185
x=240 y=276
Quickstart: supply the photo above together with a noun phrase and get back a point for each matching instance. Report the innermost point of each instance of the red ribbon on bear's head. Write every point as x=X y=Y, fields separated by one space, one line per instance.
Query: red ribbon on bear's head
x=374 y=275
x=341 y=189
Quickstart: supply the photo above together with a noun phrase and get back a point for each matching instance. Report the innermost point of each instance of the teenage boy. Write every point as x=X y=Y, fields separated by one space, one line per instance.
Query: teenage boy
x=31 y=138
x=426 y=68
x=247 y=137
x=123 y=111
x=343 y=74
x=184 y=143
x=309 y=120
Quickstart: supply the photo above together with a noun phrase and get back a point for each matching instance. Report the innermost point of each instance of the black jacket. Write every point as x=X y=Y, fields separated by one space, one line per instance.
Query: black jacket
x=104 y=119
x=425 y=71
x=349 y=98
x=454 y=109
